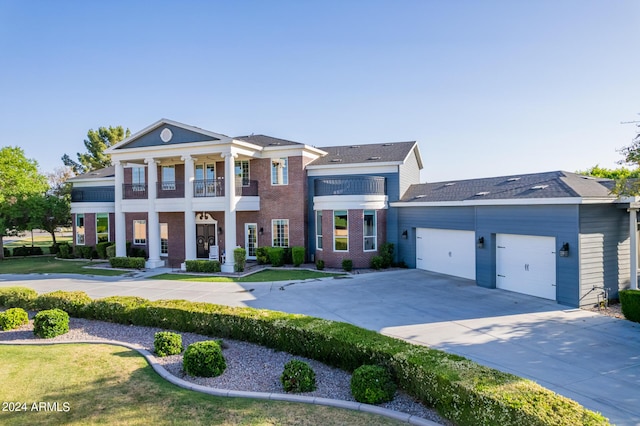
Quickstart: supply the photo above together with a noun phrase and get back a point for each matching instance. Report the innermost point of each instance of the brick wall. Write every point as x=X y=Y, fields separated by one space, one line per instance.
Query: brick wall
x=128 y=219
x=360 y=258
x=175 y=224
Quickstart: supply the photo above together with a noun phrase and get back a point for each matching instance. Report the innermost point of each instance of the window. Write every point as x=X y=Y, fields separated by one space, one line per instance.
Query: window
x=164 y=239
x=80 y=229
x=280 y=232
x=279 y=171
x=140 y=232
x=340 y=231
x=242 y=172
x=319 y=229
x=168 y=178
x=102 y=227
x=370 y=230
x=137 y=178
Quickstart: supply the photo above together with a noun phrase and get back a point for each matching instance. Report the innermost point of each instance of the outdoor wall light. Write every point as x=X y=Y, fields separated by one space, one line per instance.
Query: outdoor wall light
x=564 y=250
x=405 y=234
x=261 y=231
x=220 y=230
x=481 y=242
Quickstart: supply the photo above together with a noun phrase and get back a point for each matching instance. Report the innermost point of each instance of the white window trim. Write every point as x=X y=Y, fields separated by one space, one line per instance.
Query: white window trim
x=248 y=172
x=108 y=227
x=319 y=235
x=375 y=231
x=273 y=223
x=334 y=231
x=161 y=253
x=168 y=185
x=84 y=234
x=140 y=241
x=285 y=177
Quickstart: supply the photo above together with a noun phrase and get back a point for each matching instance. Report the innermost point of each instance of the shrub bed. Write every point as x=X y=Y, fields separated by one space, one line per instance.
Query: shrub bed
x=72 y=302
x=13 y=318
x=210 y=266
x=298 y=376
x=276 y=256
x=204 y=359
x=51 y=323
x=127 y=262
x=27 y=251
x=461 y=390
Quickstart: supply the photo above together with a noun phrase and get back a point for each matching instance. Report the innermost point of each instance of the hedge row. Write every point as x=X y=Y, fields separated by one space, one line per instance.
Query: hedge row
x=127 y=262
x=461 y=390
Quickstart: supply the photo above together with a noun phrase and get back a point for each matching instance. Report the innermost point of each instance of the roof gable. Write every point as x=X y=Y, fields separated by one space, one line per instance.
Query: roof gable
x=393 y=152
x=557 y=184
x=166 y=132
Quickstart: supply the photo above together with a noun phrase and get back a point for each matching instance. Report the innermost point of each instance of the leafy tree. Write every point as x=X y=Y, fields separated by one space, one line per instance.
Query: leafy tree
x=58 y=184
x=46 y=212
x=97 y=141
x=603 y=172
x=19 y=179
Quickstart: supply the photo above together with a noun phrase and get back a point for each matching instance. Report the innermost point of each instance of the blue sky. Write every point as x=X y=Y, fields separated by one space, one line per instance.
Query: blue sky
x=486 y=87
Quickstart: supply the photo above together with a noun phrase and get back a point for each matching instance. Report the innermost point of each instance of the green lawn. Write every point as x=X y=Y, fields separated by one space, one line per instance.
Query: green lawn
x=262 y=276
x=44 y=241
x=102 y=384
x=51 y=265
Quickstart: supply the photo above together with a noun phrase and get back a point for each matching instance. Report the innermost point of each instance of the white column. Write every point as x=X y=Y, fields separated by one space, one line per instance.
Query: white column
x=189 y=215
x=633 y=252
x=153 y=225
x=120 y=224
x=230 y=210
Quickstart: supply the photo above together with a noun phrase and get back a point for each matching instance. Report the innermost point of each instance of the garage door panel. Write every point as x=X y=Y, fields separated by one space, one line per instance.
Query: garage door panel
x=526 y=264
x=446 y=251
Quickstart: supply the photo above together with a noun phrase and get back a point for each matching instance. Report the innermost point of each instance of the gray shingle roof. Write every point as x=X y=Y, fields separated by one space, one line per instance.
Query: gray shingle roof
x=265 y=141
x=369 y=153
x=558 y=184
x=97 y=174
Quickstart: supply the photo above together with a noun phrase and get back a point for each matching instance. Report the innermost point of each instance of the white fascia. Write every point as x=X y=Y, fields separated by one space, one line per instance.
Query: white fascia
x=350 y=202
x=415 y=151
x=352 y=169
x=85 y=183
x=83 y=208
x=510 y=202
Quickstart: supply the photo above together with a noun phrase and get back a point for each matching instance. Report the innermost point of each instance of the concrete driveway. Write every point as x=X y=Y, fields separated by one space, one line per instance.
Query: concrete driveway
x=590 y=358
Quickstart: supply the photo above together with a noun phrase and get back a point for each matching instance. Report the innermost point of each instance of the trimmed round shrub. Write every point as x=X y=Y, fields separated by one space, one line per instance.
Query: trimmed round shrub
x=51 y=323
x=372 y=384
x=298 y=376
x=319 y=264
x=347 y=265
x=13 y=318
x=377 y=262
x=204 y=359
x=167 y=343
x=630 y=304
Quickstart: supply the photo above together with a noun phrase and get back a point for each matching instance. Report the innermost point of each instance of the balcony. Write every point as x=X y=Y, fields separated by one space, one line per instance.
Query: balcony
x=170 y=189
x=93 y=194
x=135 y=191
x=215 y=188
x=350 y=185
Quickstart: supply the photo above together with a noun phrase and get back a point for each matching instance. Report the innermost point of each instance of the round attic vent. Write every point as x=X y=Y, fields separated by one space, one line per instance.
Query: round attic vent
x=166 y=134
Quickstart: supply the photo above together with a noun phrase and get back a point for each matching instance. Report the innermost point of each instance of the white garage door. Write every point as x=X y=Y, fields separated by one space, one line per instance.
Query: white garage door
x=526 y=264
x=446 y=251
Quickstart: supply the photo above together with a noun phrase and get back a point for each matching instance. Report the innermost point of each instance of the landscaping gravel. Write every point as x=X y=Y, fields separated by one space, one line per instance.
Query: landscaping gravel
x=250 y=367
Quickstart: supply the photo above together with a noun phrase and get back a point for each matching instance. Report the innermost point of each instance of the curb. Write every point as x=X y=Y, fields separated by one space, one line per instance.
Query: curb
x=336 y=403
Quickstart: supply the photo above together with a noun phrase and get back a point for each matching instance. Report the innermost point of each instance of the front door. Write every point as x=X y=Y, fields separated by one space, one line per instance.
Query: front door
x=205 y=238
x=251 y=239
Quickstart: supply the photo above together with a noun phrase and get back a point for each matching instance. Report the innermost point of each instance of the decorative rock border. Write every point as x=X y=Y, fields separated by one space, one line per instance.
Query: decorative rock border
x=337 y=403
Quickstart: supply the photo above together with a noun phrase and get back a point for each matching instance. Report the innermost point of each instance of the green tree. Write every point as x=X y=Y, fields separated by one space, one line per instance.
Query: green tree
x=97 y=141
x=603 y=172
x=19 y=179
x=46 y=212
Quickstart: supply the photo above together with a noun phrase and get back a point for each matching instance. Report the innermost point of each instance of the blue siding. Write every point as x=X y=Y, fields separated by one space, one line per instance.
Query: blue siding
x=410 y=218
x=560 y=222
x=180 y=135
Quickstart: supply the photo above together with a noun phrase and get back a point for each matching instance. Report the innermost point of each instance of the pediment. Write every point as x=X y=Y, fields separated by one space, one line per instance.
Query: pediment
x=166 y=132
